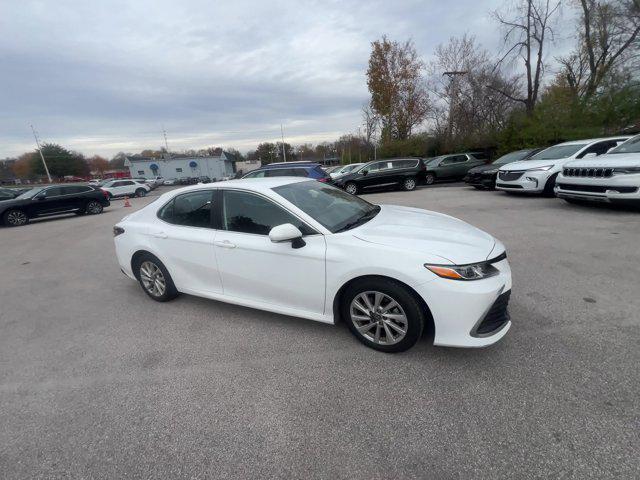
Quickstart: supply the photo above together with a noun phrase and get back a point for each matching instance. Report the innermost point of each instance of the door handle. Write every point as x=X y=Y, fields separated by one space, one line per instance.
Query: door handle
x=159 y=235
x=224 y=244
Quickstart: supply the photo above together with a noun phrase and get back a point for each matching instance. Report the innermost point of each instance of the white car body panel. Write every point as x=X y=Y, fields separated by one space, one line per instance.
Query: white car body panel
x=610 y=184
x=250 y=270
x=532 y=181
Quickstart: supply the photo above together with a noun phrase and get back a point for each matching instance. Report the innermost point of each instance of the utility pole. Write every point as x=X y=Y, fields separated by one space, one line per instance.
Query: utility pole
x=166 y=145
x=46 y=169
x=284 y=153
x=453 y=93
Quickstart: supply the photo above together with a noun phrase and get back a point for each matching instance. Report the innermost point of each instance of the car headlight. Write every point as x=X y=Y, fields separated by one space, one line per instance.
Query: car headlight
x=540 y=169
x=627 y=170
x=475 y=271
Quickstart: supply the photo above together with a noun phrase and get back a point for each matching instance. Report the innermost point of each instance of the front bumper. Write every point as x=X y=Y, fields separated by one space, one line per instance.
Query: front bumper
x=460 y=308
x=624 y=188
x=529 y=181
x=481 y=180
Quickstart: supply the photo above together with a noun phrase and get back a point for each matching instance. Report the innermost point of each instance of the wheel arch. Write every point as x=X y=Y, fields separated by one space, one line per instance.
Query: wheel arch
x=429 y=326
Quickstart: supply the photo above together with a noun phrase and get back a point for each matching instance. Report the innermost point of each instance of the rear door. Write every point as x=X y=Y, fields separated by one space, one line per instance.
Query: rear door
x=183 y=239
x=448 y=167
x=379 y=174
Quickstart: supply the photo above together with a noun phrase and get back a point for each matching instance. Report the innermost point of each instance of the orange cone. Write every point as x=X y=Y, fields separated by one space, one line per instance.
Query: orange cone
x=127 y=203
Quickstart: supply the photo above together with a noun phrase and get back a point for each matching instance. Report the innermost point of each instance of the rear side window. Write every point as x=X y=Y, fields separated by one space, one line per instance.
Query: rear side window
x=404 y=163
x=54 y=191
x=287 y=172
x=189 y=209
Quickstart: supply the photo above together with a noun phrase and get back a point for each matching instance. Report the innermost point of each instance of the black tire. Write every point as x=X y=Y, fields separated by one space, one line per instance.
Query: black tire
x=478 y=187
x=409 y=184
x=93 y=208
x=141 y=192
x=548 y=187
x=410 y=307
x=352 y=188
x=429 y=178
x=15 y=218
x=170 y=291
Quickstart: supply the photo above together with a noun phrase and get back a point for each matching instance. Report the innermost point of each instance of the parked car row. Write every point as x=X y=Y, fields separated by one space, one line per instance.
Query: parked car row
x=591 y=170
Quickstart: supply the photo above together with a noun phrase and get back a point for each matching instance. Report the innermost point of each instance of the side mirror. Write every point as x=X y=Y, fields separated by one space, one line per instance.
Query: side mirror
x=364 y=172
x=590 y=155
x=287 y=233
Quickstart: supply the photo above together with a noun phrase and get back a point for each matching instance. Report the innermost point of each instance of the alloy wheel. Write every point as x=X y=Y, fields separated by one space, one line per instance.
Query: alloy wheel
x=429 y=179
x=152 y=279
x=16 y=218
x=378 y=318
x=351 y=188
x=94 y=208
x=409 y=184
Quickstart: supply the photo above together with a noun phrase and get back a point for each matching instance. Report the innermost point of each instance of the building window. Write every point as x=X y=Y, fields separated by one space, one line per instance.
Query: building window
x=178 y=169
x=140 y=172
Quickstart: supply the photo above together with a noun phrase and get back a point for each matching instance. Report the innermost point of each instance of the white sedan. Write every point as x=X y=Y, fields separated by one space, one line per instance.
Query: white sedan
x=539 y=173
x=307 y=249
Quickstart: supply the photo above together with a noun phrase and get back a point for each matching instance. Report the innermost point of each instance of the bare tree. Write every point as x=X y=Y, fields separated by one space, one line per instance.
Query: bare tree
x=369 y=122
x=609 y=36
x=528 y=26
x=467 y=103
x=395 y=80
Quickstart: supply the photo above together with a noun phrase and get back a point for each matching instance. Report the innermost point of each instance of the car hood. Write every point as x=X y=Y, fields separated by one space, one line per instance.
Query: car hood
x=607 y=161
x=529 y=164
x=483 y=168
x=429 y=232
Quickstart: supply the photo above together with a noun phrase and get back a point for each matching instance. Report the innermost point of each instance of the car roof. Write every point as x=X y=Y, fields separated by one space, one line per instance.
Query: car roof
x=288 y=165
x=592 y=140
x=257 y=184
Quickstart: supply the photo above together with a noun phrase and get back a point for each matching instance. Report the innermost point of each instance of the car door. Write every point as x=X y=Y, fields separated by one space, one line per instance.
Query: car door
x=183 y=238
x=379 y=174
x=127 y=187
x=462 y=165
x=447 y=167
x=53 y=200
x=254 y=268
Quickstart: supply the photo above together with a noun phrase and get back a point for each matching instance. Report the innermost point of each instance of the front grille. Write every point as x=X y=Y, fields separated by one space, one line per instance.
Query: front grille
x=496 y=317
x=506 y=185
x=588 y=172
x=596 y=188
x=509 y=176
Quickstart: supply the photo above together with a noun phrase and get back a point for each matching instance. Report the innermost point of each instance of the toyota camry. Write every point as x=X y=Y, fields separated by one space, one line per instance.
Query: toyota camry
x=303 y=248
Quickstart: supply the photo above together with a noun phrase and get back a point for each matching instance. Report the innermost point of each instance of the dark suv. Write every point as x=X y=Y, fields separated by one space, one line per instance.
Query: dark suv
x=405 y=173
x=452 y=167
x=291 y=169
x=52 y=200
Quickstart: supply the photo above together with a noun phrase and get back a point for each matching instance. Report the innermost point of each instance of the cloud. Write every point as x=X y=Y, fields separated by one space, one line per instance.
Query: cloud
x=101 y=77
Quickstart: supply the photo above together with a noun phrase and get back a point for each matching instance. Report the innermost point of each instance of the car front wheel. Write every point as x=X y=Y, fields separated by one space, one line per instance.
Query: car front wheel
x=154 y=278
x=351 y=188
x=383 y=314
x=93 y=208
x=15 y=218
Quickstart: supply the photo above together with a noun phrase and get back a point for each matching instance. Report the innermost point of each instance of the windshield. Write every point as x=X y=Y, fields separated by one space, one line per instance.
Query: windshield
x=434 y=160
x=333 y=208
x=630 y=146
x=559 y=151
x=30 y=193
x=511 y=157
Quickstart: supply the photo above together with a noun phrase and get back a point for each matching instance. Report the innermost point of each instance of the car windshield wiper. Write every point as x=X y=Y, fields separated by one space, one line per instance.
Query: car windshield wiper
x=360 y=220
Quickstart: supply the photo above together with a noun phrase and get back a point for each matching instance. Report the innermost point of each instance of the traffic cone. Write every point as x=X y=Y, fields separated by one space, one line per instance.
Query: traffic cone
x=127 y=203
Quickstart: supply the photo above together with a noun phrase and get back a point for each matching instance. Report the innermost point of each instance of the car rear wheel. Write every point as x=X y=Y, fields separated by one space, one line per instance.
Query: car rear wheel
x=141 y=192
x=93 y=208
x=15 y=218
x=429 y=178
x=154 y=278
x=383 y=314
x=409 y=184
x=351 y=188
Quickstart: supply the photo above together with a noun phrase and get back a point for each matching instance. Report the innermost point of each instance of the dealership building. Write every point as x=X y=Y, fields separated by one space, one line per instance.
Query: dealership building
x=182 y=166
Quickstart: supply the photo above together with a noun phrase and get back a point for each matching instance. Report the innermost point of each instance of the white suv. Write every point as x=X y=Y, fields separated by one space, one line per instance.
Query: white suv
x=613 y=178
x=538 y=174
x=126 y=187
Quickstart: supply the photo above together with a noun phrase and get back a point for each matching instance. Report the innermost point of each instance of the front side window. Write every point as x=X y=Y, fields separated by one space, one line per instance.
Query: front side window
x=333 y=208
x=189 y=210
x=53 y=192
x=246 y=212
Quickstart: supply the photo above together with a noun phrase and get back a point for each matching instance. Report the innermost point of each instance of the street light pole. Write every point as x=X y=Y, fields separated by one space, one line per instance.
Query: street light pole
x=284 y=153
x=46 y=169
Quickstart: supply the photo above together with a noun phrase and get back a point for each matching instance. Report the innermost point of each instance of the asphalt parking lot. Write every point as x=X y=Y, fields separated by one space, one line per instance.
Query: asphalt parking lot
x=99 y=381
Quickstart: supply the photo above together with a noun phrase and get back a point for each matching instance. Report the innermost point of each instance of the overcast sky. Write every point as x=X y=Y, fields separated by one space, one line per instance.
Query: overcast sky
x=106 y=76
